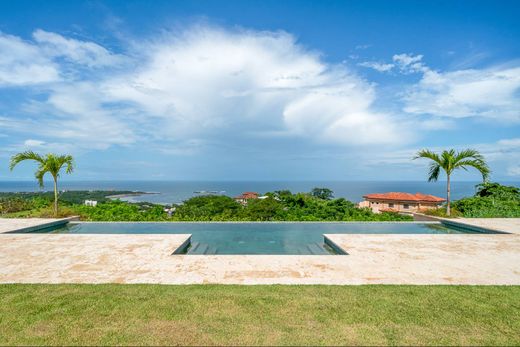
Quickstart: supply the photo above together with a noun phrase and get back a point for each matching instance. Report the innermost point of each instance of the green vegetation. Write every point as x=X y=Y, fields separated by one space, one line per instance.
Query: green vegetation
x=491 y=200
x=449 y=161
x=279 y=206
x=258 y=315
x=114 y=211
x=70 y=196
x=39 y=204
x=322 y=193
x=51 y=163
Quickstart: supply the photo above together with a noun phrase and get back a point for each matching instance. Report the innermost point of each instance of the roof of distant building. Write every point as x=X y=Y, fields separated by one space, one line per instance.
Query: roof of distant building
x=248 y=195
x=397 y=196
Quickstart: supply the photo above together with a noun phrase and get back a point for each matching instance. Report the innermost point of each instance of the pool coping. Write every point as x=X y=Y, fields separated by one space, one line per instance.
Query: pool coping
x=44 y=225
x=373 y=259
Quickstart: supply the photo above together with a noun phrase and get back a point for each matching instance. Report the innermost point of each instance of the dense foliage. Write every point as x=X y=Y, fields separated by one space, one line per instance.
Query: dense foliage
x=278 y=206
x=491 y=200
x=122 y=211
x=70 y=196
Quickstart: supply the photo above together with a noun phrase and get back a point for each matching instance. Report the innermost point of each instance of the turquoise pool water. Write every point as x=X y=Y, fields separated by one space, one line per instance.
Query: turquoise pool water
x=258 y=238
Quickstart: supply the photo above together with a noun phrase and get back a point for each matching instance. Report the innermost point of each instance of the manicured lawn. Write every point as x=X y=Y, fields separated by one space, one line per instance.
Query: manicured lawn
x=259 y=315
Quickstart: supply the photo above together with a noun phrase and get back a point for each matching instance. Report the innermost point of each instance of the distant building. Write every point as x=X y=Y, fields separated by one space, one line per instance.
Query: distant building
x=170 y=211
x=92 y=203
x=244 y=197
x=400 y=202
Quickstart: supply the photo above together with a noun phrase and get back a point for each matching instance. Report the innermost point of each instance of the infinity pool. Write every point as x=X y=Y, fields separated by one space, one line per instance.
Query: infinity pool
x=258 y=238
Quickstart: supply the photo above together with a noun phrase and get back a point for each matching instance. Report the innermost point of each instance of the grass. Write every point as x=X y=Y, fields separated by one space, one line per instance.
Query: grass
x=258 y=315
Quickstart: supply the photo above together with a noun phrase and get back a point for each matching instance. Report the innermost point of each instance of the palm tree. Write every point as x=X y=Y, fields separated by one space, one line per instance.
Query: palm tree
x=450 y=161
x=50 y=163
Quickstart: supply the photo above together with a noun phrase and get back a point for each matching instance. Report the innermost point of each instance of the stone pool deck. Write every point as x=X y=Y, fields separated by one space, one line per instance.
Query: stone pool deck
x=372 y=259
x=26 y=224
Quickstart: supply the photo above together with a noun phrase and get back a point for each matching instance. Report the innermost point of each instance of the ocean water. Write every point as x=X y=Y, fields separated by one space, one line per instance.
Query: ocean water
x=178 y=191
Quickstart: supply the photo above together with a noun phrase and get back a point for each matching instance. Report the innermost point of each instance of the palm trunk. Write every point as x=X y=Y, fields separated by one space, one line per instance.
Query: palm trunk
x=55 y=197
x=448 y=207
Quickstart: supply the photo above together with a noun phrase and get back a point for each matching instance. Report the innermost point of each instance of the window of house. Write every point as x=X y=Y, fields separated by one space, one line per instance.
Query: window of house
x=391 y=205
x=406 y=206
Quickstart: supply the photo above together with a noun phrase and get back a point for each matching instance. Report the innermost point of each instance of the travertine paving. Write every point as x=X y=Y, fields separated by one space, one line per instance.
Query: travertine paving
x=18 y=224
x=372 y=259
x=508 y=225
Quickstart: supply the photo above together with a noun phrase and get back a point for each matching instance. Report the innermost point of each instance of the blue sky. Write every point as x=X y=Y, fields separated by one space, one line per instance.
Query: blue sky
x=259 y=90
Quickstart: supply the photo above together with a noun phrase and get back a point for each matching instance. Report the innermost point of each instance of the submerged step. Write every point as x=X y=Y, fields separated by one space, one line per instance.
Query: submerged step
x=211 y=250
x=194 y=246
x=316 y=248
x=201 y=249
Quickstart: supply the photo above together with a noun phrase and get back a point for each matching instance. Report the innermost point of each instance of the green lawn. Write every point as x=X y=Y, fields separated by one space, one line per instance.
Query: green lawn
x=259 y=315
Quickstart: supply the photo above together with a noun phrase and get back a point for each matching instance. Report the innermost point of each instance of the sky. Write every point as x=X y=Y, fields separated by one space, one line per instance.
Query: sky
x=259 y=90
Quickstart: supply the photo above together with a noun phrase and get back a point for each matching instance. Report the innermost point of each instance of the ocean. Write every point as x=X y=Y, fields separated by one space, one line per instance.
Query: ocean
x=177 y=191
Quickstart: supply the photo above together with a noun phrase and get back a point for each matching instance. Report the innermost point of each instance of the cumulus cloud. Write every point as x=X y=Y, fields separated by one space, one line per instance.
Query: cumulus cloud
x=21 y=63
x=381 y=67
x=489 y=93
x=81 y=52
x=408 y=63
x=200 y=83
x=210 y=79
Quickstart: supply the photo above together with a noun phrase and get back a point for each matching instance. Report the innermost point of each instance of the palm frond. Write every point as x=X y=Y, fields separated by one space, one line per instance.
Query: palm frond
x=468 y=153
x=27 y=155
x=39 y=176
x=435 y=170
x=425 y=153
x=478 y=164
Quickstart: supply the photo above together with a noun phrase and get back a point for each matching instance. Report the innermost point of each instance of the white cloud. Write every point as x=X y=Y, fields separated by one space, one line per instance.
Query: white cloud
x=408 y=63
x=21 y=63
x=510 y=142
x=381 y=67
x=81 y=52
x=202 y=83
x=513 y=171
x=208 y=80
x=84 y=115
x=489 y=93
x=437 y=124
x=33 y=143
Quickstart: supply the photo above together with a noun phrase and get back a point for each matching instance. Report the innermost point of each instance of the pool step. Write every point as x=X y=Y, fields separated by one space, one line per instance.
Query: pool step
x=211 y=250
x=316 y=248
x=202 y=248
x=194 y=246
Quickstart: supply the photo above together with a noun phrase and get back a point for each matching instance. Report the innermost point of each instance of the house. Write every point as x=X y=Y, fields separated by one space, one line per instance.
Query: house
x=400 y=202
x=244 y=197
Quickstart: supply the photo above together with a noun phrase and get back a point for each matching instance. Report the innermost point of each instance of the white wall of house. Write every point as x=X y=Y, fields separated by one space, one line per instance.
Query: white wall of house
x=399 y=206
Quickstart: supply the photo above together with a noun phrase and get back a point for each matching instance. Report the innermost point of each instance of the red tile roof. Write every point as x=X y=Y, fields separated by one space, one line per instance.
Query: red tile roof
x=248 y=195
x=397 y=196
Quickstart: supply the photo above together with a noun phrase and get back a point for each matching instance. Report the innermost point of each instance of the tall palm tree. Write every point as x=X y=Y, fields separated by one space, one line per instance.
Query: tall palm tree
x=451 y=160
x=50 y=163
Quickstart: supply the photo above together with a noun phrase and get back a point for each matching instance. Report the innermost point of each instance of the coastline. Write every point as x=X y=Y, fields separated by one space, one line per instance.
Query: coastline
x=129 y=195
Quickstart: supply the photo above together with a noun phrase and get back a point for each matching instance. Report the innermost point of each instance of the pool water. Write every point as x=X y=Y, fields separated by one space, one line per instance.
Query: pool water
x=258 y=238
